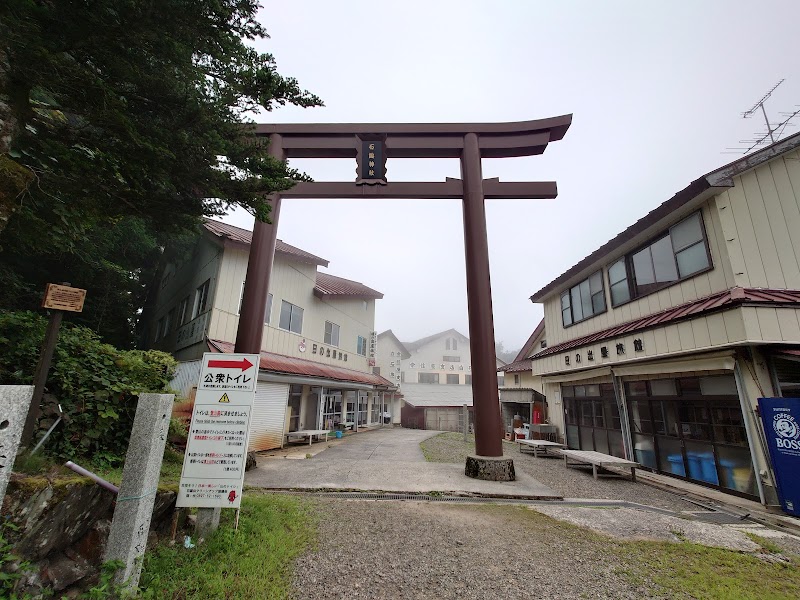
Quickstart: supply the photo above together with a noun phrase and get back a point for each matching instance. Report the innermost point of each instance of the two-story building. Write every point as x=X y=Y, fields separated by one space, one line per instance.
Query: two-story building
x=318 y=343
x=434 y=374
x=660 y=342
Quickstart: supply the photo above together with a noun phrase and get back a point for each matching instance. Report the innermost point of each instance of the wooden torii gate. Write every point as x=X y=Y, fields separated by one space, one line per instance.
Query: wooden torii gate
x=371 y=144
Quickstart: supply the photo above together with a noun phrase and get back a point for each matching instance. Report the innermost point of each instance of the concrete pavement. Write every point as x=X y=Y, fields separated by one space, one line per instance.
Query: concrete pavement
x=386 y=460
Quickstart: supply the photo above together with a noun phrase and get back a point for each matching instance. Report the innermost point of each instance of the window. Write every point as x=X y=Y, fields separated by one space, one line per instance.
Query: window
x=452 y=379
x=516 y=379
x=428 y=378
x=451 y=359
x=331 y=334
x=543 y=344
x=362 y=346
x=268 y=310
x=201 y=299
x=159 y=328
x=678 y=254
x=169 y=322
x=291 y=317
x=584 y=300
x=183 y=311
x=501 y=380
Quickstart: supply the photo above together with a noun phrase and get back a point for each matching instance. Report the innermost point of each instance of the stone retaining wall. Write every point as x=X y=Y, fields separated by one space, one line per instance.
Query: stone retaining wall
x=63 y=528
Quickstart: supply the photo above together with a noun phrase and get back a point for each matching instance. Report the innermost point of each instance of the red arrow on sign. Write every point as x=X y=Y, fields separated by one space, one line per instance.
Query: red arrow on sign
x=244 y=364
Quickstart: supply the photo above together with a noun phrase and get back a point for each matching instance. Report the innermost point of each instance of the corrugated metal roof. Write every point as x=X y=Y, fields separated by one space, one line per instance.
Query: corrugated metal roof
x=518 y=366
x=416 y=345
x=244 y=236
x=423 y=394
x=718 y=178
x=278 y=363
x=330 y=285
x=719 y=301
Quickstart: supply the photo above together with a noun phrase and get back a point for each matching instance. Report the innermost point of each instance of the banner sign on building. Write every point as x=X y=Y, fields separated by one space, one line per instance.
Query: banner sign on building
x=216 y=451
x=781 y=418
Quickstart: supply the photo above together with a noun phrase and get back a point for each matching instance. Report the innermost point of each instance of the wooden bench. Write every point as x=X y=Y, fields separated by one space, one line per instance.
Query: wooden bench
x=537 y=445
x=307 y=433
x=598 y=461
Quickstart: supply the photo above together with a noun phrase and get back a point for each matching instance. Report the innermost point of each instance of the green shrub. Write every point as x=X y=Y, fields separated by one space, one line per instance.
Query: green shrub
x=95 y=383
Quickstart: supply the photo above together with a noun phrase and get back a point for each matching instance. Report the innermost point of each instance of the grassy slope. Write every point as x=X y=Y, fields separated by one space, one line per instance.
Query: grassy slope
x=254 y=562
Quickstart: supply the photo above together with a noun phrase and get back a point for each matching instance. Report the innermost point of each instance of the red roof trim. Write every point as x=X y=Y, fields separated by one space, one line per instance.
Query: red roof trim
x=331 y=285
x=518 y=366
x=715 y=302
x=237 y=235
x=289 y=365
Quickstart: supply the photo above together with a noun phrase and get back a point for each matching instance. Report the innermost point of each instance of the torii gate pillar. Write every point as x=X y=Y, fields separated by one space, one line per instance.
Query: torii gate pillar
x=371 y=144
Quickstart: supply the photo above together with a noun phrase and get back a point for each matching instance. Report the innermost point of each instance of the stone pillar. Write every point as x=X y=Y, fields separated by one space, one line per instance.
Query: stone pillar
x=207 y=522
x=131 y=524
x=14 y=403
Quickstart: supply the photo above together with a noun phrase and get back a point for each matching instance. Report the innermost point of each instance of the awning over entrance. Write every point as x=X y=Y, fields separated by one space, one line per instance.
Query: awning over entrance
x=520 y=395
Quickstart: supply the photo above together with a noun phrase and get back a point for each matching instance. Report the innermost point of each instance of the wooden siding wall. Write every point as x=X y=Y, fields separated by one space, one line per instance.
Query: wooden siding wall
x=181 y=281
x=760 y=218
x=294 y=282
x=699 y=334
x=718 y=279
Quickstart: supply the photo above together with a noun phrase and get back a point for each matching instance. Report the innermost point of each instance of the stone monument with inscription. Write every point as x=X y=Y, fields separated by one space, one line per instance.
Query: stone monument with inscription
x=14 y=402
x=131 y=524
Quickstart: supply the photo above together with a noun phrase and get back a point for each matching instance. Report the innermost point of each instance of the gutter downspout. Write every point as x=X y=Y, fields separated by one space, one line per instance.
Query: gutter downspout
x=748 y=427
x=622 y=406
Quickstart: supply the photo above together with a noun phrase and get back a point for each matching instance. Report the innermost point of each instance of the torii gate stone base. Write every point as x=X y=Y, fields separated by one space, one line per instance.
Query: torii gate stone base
x=371 y=144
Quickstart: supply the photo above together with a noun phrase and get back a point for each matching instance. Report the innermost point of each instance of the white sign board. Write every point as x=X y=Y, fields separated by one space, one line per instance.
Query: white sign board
x=216 y=451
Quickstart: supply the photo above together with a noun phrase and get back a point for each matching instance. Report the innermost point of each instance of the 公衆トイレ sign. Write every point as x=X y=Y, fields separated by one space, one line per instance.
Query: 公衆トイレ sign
x=216 y=450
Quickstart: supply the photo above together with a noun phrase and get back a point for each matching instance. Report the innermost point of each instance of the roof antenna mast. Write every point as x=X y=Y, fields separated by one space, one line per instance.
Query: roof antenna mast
x=760 y=104
x=773 y=133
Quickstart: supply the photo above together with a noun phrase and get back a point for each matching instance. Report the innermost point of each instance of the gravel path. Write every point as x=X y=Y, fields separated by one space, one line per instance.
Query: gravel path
x=572 y=482
x=427 y=550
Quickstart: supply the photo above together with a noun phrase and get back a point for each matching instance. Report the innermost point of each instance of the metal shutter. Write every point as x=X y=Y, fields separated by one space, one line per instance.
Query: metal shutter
x=269 y=416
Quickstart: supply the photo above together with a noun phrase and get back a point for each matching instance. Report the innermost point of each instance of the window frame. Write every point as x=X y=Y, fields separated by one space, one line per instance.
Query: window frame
x=450 y=376
x=291 y=317
x=201 y=294
x=434 y=376
x=361 y=346
x=268 y=310
x=328 y=337
x=568 y=293
x=627 y=259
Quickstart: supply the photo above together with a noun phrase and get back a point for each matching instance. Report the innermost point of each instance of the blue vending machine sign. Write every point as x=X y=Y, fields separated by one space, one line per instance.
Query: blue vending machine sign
x=781 y=417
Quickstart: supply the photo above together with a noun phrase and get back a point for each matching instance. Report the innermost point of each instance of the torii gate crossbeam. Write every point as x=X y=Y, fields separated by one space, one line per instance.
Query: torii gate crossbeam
x=371 y=144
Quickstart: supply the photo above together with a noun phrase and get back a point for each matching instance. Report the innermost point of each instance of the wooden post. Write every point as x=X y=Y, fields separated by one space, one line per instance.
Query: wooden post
x=40 y=377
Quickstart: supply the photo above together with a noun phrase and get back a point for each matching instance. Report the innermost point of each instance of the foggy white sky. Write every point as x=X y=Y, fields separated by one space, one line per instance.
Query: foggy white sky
x=656 y=90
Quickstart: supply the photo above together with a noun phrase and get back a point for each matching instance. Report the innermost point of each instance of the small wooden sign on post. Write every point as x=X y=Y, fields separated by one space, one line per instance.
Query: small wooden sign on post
x=63 y=297
x=58 y=298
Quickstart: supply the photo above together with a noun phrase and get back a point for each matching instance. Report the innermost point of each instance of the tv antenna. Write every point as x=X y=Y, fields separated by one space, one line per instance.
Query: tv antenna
x=773 y=133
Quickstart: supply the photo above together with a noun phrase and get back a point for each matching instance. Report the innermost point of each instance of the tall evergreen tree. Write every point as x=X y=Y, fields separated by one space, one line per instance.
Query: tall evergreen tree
x=126 y=115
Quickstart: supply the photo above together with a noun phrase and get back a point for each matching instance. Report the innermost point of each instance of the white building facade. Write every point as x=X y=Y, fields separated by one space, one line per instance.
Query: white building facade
x=660 y=342
x=318 y=343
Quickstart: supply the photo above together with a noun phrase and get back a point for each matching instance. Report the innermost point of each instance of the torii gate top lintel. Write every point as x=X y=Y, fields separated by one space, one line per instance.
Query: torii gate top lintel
x=371 y=144
x=417 y=140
